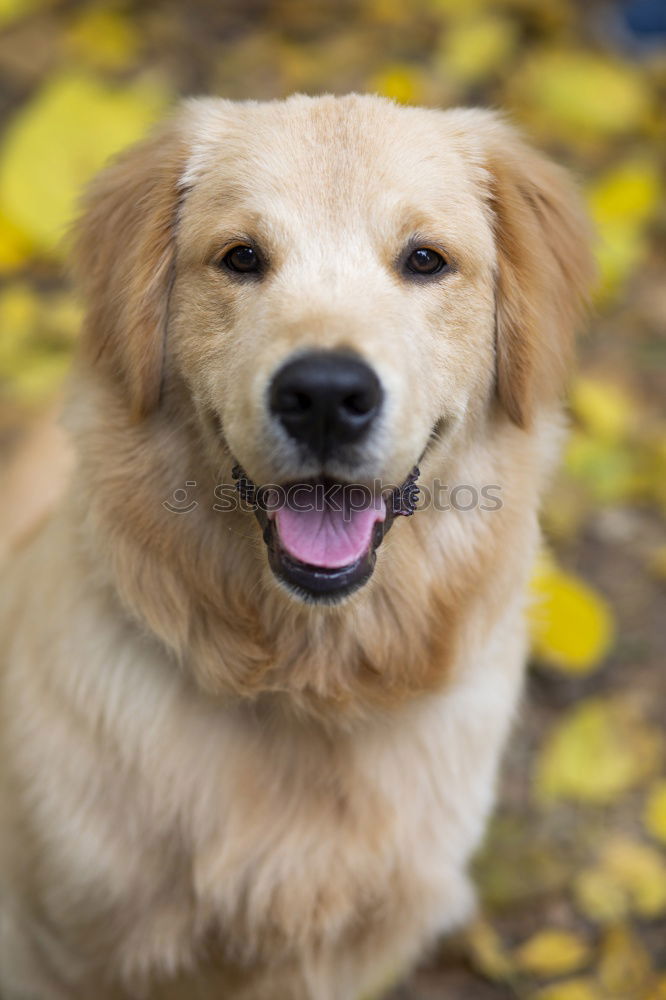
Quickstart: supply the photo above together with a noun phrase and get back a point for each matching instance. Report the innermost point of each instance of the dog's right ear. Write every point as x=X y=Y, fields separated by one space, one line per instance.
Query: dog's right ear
x=124 y=250
x=545 y=268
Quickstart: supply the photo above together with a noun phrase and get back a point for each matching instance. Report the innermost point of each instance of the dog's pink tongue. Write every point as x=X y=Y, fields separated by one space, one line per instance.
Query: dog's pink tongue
x=316 y=533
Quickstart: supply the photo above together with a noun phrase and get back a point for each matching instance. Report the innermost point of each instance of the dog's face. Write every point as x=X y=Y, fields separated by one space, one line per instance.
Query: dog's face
x=343 y=293
x=342 y=286
x=344 y=304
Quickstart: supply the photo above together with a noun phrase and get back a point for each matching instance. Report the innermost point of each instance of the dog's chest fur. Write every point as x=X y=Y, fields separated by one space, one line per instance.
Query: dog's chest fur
x=246 y=837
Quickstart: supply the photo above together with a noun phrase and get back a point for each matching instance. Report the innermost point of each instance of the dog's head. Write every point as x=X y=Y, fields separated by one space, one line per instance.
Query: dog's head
x=341 y=287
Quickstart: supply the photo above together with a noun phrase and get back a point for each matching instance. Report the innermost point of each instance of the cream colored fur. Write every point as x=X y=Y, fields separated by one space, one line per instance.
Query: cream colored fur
x=210 y=789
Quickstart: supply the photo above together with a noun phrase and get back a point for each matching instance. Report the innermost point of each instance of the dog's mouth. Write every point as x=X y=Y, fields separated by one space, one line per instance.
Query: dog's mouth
x=322 y=536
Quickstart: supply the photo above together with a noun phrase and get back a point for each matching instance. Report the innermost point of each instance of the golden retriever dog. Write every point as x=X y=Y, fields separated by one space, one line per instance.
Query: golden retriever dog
x=247 y=751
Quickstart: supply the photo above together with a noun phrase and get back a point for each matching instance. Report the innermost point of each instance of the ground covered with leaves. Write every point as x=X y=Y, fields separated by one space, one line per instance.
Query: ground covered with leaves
x=573 y=873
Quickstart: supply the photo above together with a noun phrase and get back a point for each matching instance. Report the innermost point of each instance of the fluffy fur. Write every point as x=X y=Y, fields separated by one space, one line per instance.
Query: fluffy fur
x=209 y=788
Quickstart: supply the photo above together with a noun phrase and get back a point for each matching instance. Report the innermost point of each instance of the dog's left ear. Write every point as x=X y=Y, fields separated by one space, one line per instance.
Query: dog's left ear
x=545 y=268
x=124 y=248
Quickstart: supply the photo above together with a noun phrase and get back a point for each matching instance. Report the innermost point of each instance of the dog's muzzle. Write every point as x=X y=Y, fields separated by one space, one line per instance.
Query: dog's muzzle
x=322 y=536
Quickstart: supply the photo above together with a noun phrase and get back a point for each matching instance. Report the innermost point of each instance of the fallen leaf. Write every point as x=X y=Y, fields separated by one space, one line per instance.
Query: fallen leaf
x=15 y=247
x=641 y=869
x=599 y=896
x=629 y=878
x=627 y=194
x=103 y=38
x=625 y=969
x=552 y=953
x=454 y=11
x=582 y=988
x=654 y=816
x=400 y=82
x=19 y=317
x=571 y=625
x=472 y=49
x=13 y=10
x=622 y=202
x=600 y=749
x=38 y=332
x=579 y=95
x=487 y=953
x=602 y=408
x=658 y=990
x=54 y=145
x=387 y=11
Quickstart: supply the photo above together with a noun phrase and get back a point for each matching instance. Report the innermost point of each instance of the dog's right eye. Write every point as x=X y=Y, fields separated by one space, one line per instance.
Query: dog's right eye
x=242 y=259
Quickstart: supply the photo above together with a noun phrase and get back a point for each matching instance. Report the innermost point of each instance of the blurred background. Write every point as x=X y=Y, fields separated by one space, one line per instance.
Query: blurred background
x=573 y=873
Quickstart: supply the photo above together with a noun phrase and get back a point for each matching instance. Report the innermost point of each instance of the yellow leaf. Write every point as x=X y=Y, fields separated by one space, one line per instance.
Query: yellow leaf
x=400 y=82
x=487 y=953
x=655 y=811
x=59 y=140
x=602 y=408
x=580 y=95
x=37 y=334
x=104 y=38
x=19 y=316
x=641 y=869
x=553 y=953
x=658 y=990
x=571 y=625
x=619 y=251
x=473 y=49
x=625 y=969
x=386 y=11
x=622 y=202
x=581 y=988
x=15 y=247
x=453 y=10
x=628 y=193
x=630 y=877
x=13 y=10
x=599 y=750
x=599 y=896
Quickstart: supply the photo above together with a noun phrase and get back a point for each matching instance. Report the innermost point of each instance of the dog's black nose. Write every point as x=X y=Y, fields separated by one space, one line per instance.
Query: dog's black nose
x=325 y=399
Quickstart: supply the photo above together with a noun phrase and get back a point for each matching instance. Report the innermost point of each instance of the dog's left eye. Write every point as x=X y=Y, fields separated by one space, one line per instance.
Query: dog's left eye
x=425 y=260
x=242 y=259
